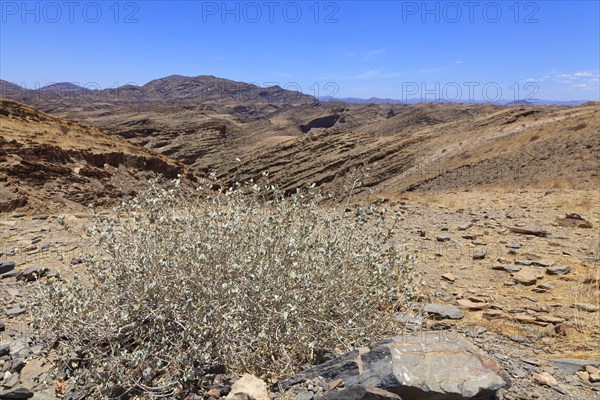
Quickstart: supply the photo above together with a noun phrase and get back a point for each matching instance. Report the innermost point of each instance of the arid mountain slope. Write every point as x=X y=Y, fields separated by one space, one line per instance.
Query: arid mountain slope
x=238 y=132
x=47 y=162
x=505 y=147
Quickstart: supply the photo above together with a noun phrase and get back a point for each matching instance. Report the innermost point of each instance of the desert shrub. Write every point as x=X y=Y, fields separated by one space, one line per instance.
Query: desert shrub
x=244 y=280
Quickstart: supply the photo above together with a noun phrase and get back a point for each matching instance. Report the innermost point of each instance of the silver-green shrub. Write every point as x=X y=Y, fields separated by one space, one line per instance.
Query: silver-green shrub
x=244 y=278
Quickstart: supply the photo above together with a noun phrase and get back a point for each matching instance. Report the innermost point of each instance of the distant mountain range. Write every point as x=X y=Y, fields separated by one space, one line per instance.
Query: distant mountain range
x=209 y=89
x=377 y=100
x=174 y=88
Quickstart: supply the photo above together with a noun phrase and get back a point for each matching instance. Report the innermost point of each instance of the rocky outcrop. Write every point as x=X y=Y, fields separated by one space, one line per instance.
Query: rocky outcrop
x=422 y=367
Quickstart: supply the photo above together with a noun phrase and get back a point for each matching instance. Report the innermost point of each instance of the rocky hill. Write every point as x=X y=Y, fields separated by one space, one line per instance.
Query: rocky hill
x=48 y=162
x=239 y=130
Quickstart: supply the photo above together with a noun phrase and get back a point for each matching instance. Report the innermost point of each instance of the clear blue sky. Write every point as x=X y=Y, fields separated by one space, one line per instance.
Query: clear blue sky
x=395 y=49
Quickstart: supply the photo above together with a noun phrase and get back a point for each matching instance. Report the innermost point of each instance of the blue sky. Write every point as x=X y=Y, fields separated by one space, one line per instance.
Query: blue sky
x=397 y=49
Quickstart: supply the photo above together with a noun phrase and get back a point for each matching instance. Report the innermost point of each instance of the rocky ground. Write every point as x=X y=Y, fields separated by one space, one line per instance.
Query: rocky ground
x=513 y=272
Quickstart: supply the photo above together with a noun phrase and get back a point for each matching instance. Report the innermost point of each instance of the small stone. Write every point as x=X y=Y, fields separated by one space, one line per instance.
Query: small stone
x=530 y=361
x=559 y=270
x=525 y=277
x=480 y=255
x=465 y=226
x=6 y=267
x=443 y=238
x=471 y=305
x=586 y=307
x=449 y=277
x=572 y=365
x=16 y=394
x=513 y=246
x=335 y=384
x=590 y=369
x=543 y=263
x=564 y=329
x=305 y=396
x=542 y=288
x=443 y=311
x=10 y=381
x=507 y=268
x=594 y=378
x=248 y=387
x=524 y=262
x=527 y=231
x=545 y=378
x=583 y=375
x=526 y=319
x=16 y=310
x=32 y=274
x=492 y=314
x=551 y=319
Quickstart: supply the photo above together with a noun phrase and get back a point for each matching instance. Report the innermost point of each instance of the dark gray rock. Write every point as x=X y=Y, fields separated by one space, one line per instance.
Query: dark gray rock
x=524 y=262
x=342 y=367
x=558 y=270
x=16 y=393
x=16 y=310
x=443 y=238
x=507 y=268
x=32 y=274
x=357 y=392
x=6 y=267
x=4 y=349
x=10 y=274
x=443 y=311
x=572 y=365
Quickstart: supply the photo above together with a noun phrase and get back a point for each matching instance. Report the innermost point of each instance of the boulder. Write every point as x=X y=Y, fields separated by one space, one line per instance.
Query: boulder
x=424 y=367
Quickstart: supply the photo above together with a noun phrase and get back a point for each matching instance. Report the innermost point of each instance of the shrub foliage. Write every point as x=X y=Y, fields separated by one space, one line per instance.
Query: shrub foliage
x=245 y=280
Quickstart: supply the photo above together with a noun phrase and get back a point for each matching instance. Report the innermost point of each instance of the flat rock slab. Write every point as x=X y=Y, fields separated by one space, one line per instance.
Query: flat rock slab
x=424 y=367
x=572 y=365
x=528 y=231
x=443 y=311
x=6 y=267
x=16 y=393
x=558 y=270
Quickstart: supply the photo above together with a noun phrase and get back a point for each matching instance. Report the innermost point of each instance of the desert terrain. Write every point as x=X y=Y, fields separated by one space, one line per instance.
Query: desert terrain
x=500 y=206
